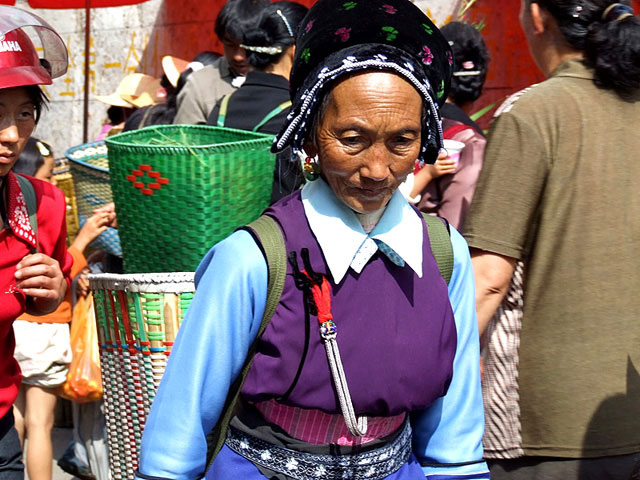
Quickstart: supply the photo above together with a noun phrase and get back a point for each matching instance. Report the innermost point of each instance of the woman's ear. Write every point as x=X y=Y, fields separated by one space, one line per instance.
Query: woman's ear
x=539 y=18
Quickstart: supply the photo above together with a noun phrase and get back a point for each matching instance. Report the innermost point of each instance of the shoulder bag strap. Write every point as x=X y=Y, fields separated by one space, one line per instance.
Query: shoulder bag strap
x=440 y=239
x=269 y=236
x=280 y=108
x=30 y=199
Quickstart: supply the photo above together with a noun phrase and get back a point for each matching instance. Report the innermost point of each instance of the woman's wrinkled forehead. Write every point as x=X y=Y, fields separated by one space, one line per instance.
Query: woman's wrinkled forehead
x=327 y=98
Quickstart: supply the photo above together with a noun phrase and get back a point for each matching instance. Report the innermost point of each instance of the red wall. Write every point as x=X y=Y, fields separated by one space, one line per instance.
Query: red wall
x=511 y=68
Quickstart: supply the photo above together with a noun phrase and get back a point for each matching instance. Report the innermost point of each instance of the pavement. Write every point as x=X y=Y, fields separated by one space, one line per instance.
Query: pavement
x=60 y=438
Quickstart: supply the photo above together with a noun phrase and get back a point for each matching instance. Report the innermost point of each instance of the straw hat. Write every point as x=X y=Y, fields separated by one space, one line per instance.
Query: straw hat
x=173 y=67
x=152 y=93
x=130 y=88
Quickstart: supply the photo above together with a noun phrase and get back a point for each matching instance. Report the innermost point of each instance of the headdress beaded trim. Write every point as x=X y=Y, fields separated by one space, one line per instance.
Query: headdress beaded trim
x=350 y=65
x=267 y=50
x=467 y=73
x=616 y=12
x=286 y=22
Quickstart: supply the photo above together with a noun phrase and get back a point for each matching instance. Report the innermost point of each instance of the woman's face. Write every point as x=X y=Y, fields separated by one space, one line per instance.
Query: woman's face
x=17 y=121
x=369 y=138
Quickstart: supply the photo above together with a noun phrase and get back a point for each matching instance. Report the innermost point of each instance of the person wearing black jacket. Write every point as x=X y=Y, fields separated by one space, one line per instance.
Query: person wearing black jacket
x=262 y=103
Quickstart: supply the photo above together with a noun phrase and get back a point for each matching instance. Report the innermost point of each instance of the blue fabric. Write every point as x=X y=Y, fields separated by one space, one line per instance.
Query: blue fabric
x=390 y=253
x=450 y=431
x=210 y=349
x=212 y=344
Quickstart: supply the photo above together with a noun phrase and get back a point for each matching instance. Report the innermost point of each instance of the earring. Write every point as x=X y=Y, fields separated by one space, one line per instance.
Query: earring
x=311 y=168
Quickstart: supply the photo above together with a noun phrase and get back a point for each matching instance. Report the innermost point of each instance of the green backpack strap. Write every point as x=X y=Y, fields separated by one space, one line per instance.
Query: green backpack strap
x=279 y=109
x=32 y=205
x=222 y=113
x=270 y=238
x=440 y=239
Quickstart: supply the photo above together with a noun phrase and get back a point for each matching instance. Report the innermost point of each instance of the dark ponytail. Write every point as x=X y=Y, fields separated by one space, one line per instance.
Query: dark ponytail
x=609 y=36
x=275 y=33
x=471 y=60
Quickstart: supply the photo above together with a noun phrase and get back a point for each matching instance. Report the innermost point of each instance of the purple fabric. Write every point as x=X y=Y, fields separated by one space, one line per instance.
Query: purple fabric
x=396 y=333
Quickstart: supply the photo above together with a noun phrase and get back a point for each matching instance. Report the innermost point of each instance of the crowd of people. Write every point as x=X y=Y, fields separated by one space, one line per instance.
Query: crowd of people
x=422 y=298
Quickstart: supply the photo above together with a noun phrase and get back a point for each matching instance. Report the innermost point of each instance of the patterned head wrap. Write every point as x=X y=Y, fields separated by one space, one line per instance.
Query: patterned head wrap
x=338 y=37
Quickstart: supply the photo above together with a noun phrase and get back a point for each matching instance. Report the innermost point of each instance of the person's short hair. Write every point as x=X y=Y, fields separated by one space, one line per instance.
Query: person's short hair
x=471 y=59
x=237 y=16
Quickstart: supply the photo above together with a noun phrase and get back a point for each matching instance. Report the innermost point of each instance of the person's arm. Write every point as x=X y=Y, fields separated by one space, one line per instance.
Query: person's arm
x=447 y=436
x=493 y=274
x=45 y=276
x=443 y=166
x=93 y=227
x=212 y=343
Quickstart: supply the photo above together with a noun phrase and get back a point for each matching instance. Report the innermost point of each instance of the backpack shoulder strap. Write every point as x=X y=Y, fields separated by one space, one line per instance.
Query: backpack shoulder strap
x=279 y=109
x=272 y=242
x=30 y=199
x=222 y=113
x=440 y=238
x=269 y=236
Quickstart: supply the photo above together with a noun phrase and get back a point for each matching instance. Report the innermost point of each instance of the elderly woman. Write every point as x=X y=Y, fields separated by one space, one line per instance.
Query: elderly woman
x=34 y=263
x=389 y=388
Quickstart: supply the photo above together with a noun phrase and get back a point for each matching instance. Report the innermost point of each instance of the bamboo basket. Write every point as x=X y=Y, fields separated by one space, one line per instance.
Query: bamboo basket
x=138 y=318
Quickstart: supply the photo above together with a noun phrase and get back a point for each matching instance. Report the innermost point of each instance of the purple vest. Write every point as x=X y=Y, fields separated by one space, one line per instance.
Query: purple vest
x=396 y=333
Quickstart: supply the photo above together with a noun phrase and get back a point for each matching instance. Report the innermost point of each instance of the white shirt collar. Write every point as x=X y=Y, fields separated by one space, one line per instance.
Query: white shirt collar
x=342 y=239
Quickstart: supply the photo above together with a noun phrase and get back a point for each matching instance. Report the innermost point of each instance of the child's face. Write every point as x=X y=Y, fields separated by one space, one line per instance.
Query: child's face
x=45 y=172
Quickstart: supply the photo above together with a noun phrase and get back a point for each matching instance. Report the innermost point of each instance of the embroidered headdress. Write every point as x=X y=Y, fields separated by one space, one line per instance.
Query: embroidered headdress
x=338 y=37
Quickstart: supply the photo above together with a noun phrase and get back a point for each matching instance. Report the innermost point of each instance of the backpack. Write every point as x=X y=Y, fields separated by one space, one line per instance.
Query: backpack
x=32 y=205
x=270 y=237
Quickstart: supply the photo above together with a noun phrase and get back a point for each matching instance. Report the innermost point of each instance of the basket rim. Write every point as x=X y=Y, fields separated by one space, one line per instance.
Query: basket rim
x=119 y=139
x=162 y=282
x=79 y=161
x=90 y=165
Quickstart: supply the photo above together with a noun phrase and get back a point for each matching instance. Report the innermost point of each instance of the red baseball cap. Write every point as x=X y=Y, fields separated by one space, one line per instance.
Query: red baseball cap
x=20 y=63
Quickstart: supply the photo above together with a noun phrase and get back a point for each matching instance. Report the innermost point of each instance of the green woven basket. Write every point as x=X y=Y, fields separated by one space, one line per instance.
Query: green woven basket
x=179 y=189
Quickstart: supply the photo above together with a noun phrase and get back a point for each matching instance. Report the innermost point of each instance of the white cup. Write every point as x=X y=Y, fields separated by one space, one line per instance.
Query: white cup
x=453 y=149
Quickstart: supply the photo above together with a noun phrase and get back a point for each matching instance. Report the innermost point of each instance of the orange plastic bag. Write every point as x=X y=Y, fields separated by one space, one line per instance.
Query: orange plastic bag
x=84 y=381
